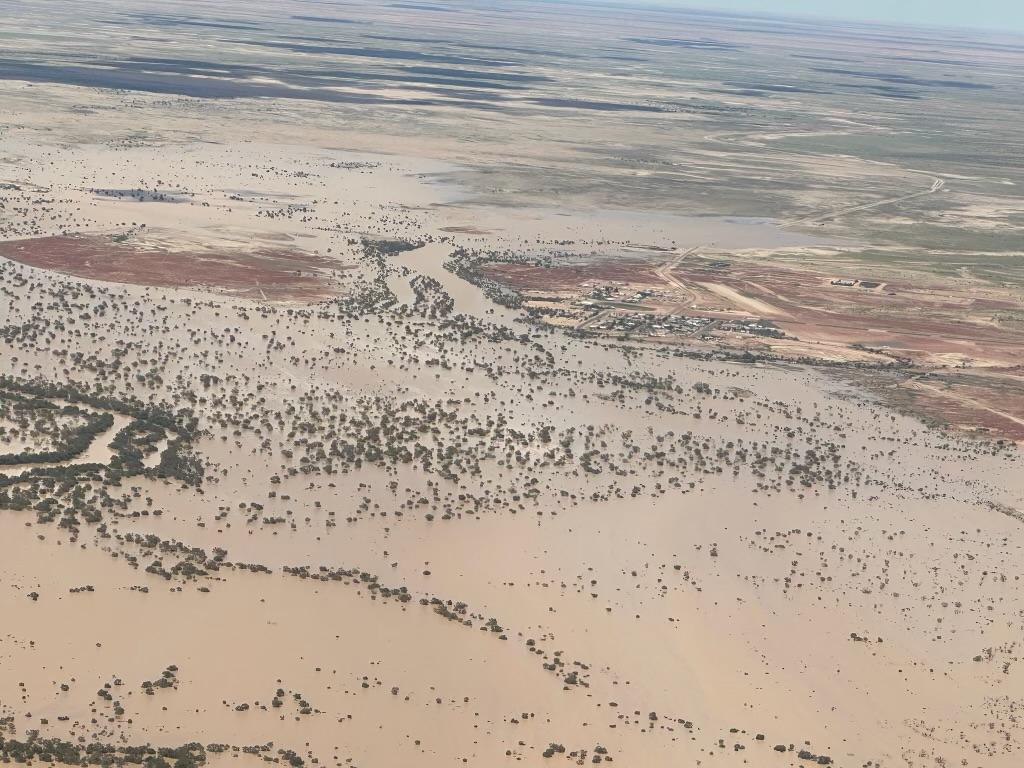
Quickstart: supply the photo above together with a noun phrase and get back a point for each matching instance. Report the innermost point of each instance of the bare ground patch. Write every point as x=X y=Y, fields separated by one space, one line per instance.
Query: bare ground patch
x=526 y=277
x=261 y=273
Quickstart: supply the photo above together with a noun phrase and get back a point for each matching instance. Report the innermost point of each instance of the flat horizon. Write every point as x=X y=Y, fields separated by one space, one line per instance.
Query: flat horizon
x=802 y=11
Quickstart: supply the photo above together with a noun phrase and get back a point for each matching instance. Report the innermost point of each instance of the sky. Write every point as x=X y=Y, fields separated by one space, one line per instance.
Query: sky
x=1005 y=15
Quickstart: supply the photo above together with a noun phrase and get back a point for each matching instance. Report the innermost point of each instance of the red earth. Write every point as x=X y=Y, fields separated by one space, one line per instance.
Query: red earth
x=266 y=273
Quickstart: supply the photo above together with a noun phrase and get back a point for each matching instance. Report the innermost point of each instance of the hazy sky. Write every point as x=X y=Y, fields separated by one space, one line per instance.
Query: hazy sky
x=1006 y=15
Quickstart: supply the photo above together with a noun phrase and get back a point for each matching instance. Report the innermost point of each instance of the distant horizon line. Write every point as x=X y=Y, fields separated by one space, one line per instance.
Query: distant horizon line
x=819 y=18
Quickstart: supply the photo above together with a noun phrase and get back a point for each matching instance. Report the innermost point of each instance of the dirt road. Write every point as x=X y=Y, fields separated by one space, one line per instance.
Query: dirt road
x=937 y=184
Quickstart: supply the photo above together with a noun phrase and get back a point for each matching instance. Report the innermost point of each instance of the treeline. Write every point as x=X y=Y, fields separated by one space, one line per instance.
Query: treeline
x=178 y=461
x=390 y=247
x=183 y=420
x=129 y=446
x=465 y=264
x=75 y=444
x=71 y=753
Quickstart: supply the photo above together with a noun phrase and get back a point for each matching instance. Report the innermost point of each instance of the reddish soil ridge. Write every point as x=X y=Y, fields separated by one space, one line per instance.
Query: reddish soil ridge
x=261 y=273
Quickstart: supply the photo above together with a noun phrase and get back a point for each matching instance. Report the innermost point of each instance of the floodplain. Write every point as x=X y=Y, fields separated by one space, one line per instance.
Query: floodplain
x=533 y=384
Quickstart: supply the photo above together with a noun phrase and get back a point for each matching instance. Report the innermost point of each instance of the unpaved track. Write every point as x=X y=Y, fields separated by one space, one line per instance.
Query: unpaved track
x=919 y=384
x=937 y=184
x=593 y=319
x=665 y=273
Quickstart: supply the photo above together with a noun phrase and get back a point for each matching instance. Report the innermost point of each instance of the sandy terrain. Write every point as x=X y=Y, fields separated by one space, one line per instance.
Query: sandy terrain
x=323 y=441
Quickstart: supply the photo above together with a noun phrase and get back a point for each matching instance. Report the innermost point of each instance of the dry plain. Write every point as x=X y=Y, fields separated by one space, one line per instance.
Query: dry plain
x=450 y=384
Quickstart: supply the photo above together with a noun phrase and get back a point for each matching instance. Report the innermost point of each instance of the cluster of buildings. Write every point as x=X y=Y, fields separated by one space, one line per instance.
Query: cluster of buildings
x=653 y=325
